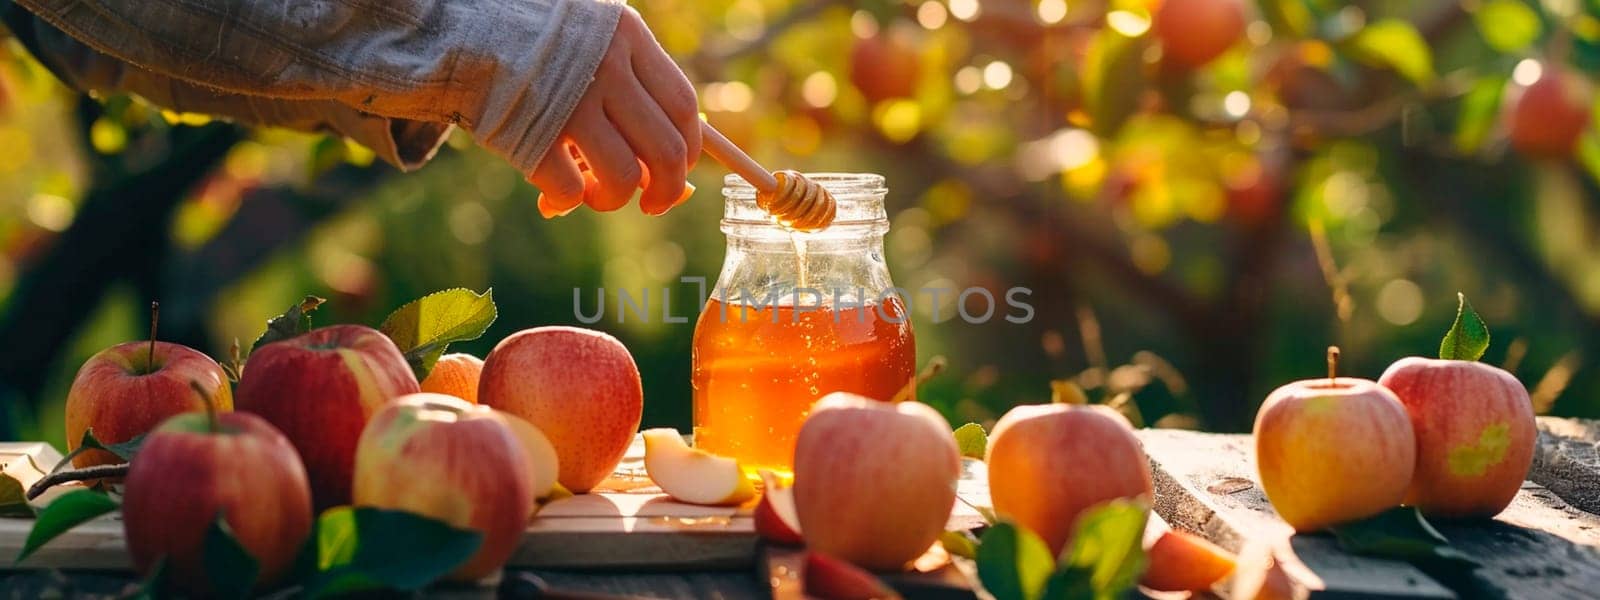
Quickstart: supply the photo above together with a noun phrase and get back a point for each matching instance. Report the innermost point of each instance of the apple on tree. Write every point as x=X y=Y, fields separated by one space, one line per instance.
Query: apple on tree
x=319 y=389
x=198 y=467
x=1194 y=32
x=1331 y=451
x=441 y=457
x=1475 y=431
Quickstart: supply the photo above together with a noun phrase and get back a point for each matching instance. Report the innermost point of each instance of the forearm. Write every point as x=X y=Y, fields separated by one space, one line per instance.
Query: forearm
x=508 y=71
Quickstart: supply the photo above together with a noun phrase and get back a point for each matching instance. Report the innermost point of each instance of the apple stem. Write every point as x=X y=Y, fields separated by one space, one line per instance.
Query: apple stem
x=86 y=473
x=211 y=409
x=909 y=391
x=1333 y=365
x=155 y=319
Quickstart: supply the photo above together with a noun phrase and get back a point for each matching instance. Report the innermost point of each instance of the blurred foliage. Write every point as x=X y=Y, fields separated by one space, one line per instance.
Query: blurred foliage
x=1194 y=235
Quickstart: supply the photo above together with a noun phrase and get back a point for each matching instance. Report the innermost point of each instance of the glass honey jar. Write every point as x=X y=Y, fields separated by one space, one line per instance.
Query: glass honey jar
x=794 y=316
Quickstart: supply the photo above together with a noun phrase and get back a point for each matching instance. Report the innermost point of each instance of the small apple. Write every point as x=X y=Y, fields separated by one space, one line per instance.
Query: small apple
x=442 y=457
x=319 y=389
x=578 y=386
x=1474 y=428
x=829 y=578
x=191 y=470
x=1335 y=450
x=455 y=375
x=128 y=389
x=1050 y=462
x=874 y=482
x=886 y=65
x=691 y=475
x=541 y=455
x=1547 y=117
x=1193 y=32
x=1183 y=562
x=774 y=517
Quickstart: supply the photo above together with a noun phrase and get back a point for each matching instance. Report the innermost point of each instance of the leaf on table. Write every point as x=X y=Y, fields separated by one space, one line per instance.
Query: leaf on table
x=1395 y=44
x=1507 y=25
x=65 y=512
x=1107 y=547
x=1468 y=337
x=1013 y=563
x=1399 y=533
x=229 y=567
x=972 y=440
x=425 y=327
x=372 y=549
x=1480 y=109
x=292 y=322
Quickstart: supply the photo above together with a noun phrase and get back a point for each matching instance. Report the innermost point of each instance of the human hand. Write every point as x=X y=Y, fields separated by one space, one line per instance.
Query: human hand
x=638 y=125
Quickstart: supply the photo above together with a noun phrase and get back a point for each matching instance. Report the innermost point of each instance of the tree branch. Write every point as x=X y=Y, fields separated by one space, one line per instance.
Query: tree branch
x=70 y=475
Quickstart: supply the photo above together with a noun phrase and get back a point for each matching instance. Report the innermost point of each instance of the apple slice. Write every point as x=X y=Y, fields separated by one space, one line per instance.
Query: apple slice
x=541 y=454
x=1182 y=562
x=691 y=475
x=774 y=516
x=829 y=578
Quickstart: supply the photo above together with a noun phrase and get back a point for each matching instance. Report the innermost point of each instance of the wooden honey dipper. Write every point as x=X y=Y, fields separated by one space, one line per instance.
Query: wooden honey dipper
x=798 y=203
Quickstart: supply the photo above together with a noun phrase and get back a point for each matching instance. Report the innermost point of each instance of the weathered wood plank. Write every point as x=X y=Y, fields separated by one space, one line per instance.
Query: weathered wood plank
x=1540 y=547
x=1567 y=460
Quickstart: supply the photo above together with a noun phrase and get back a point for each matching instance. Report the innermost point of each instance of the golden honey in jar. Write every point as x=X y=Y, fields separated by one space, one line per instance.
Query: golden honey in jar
x=795 y=316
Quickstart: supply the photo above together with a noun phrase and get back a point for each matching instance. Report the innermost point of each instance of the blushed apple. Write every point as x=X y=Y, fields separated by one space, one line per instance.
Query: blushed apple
x=441 y=457
x=1050 y=462
x=874 y=482
x=128 y=389
x=456 y=375
x=578 y=386
x=319 y=389
x=692 y=475
x=1475 y=435
x=774 y=517
x=1331 y=451
x=189 y=471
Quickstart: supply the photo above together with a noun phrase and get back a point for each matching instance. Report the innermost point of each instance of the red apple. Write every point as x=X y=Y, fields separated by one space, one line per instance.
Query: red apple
x=829 y=578
x=1050 y=462
x=1547 y=117
x=1193 y=32
x=319 y=389
x=874 y=482
x=578 y=386
x=191 y=470
x=774 y=517
x=885 y=66
x=1475 y=434
x=1331 y=451
x=442 y=457
x=1183 y=562
x=128 y=389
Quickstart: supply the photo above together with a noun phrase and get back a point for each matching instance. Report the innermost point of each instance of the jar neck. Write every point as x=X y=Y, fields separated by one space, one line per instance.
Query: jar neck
x=770 y=237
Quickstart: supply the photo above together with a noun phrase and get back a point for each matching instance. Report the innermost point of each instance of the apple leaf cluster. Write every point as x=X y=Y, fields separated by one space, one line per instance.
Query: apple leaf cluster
x=972 y=440
x=1103 y=561
x=292 y=322
x=425 y=327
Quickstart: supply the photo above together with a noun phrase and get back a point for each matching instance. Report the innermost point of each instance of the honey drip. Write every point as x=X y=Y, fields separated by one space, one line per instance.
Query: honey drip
x=799 y=203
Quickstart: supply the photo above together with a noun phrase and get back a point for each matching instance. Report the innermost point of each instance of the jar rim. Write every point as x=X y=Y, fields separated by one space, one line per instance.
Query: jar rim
x=841 y=185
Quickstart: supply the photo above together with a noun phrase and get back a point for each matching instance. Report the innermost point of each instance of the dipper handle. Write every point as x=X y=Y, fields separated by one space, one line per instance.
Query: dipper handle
x=732 y=157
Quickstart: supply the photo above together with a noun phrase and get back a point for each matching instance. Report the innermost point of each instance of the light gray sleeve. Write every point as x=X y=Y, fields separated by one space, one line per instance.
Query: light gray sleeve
x=509 y=71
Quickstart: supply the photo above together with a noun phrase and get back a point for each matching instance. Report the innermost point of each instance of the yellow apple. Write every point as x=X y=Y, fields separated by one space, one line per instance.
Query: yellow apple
x=692 y=475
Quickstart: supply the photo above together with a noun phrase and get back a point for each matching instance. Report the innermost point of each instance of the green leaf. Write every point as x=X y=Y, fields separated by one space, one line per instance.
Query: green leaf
x=1508 y=25
x=1589 y=153
x=1394 y=44
x=372 y=549
x=1400 y=533
x=292 y=322
x=1479 y=110
x=65 y=512
x=1108 y=547
x=1468 y=337
x=1113 y=78
x=424 y=327
x=229 y=567
x=154 y=585
x=1013 y=563
x=959 y=543
x=1070 y=583
x=972 y=440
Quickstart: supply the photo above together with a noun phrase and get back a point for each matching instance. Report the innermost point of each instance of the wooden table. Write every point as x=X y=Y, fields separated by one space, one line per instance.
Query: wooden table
x=1546 y=545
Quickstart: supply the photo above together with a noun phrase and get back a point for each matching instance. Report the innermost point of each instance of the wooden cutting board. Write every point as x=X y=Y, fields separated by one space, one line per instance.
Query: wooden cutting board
x=627 y=524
